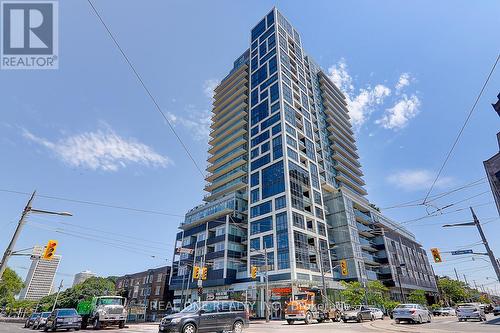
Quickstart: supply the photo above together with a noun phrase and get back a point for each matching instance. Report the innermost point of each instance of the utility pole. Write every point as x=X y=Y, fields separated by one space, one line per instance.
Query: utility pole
x=465 y=278
x=475 y=284
x=57 y=295
x=266 y=299
x=486 y=245
x=325 y=296
x=456 y=274
x=20 y=224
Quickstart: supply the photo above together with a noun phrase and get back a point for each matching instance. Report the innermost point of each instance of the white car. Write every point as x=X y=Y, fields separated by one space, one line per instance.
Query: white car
x=467 y=311
x=377 y=313
x=414 y=313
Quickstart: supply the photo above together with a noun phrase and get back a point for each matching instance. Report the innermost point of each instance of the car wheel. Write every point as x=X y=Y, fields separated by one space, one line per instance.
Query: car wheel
x=45 y=329
x=359 y=319
x=372 y=318
x=397 y=321
x=290 y=321
x=430 y=319
x=189 y=328
x=121 y=324
x=238 y=326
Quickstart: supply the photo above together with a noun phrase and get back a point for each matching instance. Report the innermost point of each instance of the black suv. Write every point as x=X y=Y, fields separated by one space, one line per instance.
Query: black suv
x=64 y=319
x=211 y=316
x=31 y=319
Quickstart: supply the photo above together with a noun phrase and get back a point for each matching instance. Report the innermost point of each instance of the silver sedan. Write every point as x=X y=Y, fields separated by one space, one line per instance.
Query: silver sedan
x=414 y=313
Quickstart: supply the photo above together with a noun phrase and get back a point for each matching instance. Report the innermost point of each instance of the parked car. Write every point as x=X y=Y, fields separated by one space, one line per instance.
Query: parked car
x=209 y=316
x=63 y=319
x=29 y=321
x=377 y=313
x=40 y=321
x=414 y=313
x=444 y=312
x=496 y=310
x=466 y=311
x=357 y=313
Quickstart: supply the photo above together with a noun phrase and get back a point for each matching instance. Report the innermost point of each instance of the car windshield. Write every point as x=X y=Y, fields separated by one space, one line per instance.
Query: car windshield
x=34 y=315
x=191 y=308
x=110 y=301
x=66 y=312
x=466 y=306
x=300 y=297
x=406 y=306
x=45 y=314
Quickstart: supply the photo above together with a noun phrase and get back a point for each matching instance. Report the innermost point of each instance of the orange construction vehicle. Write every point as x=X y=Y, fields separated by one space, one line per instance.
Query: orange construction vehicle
x=308 y=305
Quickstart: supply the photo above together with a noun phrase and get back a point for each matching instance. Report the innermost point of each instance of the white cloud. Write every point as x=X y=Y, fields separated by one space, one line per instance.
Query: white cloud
x=404 y=81
x=209 y=86
x=197 y=122
x=361 y=104
x=417 y=179
x=101 y=150
x=401 y=113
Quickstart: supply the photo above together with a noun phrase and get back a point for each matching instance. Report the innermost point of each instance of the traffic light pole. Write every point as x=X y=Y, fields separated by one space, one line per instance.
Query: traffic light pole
x=20 y=224
x=486 y=245
x=57 y=295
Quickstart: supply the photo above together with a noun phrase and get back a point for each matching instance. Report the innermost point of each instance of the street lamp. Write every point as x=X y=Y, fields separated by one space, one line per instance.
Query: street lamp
x=266 y=296
x=28 y=209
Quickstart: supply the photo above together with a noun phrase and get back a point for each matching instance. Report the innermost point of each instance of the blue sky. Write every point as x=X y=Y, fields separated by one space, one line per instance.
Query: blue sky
x=411 y=72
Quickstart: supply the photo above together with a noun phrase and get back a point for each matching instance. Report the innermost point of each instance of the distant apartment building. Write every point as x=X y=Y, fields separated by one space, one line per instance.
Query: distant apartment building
x=41 y=275
x=82 y=276
x=147 y=293
x=284 y=181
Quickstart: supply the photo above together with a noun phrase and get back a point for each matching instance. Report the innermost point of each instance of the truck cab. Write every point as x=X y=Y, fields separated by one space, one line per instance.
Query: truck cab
x=101 y=311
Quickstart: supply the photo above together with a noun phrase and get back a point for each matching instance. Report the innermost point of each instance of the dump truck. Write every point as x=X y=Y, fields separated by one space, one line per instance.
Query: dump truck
x=309 y=305
x=102 y=311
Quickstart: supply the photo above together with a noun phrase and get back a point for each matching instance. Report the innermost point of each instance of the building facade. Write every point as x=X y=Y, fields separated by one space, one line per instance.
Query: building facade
x=284 y=183
x=41 y=275
x=148 y=293
x=82 y=276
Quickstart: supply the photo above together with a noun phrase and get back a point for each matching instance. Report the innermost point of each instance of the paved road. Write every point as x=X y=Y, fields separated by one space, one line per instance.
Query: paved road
x=439 y=325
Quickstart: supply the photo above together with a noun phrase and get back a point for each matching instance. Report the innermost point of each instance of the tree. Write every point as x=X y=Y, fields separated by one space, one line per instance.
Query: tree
x=453 y=291
x=417 y=296
x=69 y=298
x=10 y=285
x=354 y=293
x=377 y=293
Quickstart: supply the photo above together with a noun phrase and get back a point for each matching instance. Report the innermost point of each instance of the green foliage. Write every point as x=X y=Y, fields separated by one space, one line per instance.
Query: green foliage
x=69 y=298
x=485 y=299
x=417 y=296
x=10 y=285
x=354 y=293
x=454 y=291
x=377 y=293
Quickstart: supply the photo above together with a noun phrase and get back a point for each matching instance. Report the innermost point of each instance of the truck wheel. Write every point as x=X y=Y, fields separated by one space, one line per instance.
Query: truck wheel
x=97 y=324
x=290 y=321
x=121 y=324
x=308 y=318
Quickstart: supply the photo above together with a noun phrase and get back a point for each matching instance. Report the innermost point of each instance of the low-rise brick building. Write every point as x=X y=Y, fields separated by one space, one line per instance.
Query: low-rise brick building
x=147 y=292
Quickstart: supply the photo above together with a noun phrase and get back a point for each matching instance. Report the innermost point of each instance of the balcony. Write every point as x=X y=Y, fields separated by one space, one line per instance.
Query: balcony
x=355 y=167
x=363 y=217
x=209 y=211
x=353 y=156
x=225 y=169
x=221 y=181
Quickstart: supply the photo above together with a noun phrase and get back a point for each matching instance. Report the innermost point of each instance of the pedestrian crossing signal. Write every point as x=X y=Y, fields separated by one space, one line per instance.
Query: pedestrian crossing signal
x=50 y=249
x=253 y=272
x=436 y=255
x=343 y=267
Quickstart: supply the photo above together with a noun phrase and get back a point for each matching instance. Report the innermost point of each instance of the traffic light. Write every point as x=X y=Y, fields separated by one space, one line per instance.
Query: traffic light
x=253 y=272
x=50 y=249
x=436 y=255
x=343 y=267
x=204 y=272
x=196 y=272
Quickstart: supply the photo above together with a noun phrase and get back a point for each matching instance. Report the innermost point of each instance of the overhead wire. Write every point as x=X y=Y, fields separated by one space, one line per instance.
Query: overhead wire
x=94 y=203
x=146 y=89
x=455 y=142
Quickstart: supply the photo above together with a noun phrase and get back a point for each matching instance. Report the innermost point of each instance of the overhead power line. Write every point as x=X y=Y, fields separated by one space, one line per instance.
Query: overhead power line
x=94 y=203
x=462 y=129
x=146 y=89
x=418 y=202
